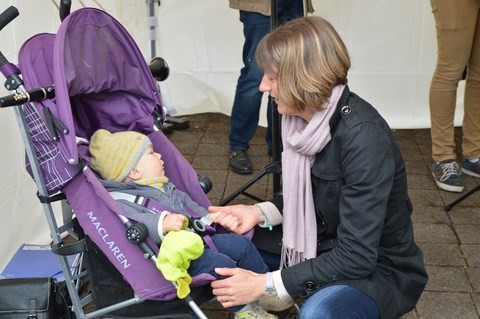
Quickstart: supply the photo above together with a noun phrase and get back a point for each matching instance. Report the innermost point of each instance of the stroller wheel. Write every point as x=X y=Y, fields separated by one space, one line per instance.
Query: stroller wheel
x=137 y=233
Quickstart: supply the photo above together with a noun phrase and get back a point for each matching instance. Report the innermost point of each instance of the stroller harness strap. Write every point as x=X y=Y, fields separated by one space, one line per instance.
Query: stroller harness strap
x=201 y=225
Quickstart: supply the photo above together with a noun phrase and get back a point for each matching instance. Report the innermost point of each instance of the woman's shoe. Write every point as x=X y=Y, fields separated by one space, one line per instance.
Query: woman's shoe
x=254 y=311
x=276 y=303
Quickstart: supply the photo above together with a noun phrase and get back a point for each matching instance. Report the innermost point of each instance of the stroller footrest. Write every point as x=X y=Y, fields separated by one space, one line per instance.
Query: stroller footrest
x=179 y=123
x=70 y=249
x=167 y=128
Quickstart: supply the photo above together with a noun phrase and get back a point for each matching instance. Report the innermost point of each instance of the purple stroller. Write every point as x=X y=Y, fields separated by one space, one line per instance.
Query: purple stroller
x=91 y=75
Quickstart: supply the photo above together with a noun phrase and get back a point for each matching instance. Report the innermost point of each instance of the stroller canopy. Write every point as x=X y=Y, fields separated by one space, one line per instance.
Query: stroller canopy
x=100 y=77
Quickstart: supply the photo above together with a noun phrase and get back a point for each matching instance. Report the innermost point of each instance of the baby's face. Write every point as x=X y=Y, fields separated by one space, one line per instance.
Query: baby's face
x=151 y=164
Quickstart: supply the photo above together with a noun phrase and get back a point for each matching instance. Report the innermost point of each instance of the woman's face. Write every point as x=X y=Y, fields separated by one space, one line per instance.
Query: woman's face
x=270 y=85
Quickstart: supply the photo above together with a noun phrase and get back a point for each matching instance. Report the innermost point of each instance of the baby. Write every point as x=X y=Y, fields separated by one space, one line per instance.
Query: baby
x=128 y=164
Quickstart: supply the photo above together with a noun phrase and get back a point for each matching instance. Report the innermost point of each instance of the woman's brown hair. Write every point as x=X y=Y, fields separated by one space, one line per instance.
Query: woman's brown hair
x=308 y=58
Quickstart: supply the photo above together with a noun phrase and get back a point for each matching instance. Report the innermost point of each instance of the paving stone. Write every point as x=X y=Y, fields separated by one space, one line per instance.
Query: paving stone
x=446 y=305
x=440 y=254
x=212 y=149
x=465 y=215
x=471 y=253
x=210 y=162
x=474 y=277
x=429 y=214
x=476 y=300
x=434 y=233
x=415 y=166
x=468 y=234
x=420 y=181
x=426 y=197
x=451 y=279
x=216 y=139
x=237 y=179
x=470 y=201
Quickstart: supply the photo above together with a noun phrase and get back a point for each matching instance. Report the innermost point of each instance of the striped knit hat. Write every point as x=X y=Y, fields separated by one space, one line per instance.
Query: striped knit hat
x=113 y=156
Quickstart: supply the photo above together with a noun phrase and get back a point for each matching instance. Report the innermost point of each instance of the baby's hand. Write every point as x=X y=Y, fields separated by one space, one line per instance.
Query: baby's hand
x=173 y=222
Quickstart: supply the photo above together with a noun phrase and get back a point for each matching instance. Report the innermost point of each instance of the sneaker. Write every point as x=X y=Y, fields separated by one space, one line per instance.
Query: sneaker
x=254 y=311
x=276 y=303
x=447 y=175
x=472 y=169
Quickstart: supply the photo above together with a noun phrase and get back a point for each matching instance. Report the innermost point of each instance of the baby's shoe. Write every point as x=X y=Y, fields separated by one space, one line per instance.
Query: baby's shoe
x=254 y=311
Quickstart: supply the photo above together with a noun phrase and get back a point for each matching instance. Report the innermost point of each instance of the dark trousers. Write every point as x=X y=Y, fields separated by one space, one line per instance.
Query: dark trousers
x=248 y=99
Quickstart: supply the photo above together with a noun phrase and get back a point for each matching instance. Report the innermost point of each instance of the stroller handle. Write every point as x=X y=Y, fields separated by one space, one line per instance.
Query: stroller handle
x=34 y=95
x=7 y=16
x=7 y=69
x=64 y=9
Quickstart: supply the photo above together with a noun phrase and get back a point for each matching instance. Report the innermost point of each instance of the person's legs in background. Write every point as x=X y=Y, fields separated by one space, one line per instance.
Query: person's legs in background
x=455 y=24
x=471 y=118
x=289 y=9
x=248 y=99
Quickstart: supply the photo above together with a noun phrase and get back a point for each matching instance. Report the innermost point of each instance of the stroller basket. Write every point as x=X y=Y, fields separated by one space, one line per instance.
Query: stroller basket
x=110 y=288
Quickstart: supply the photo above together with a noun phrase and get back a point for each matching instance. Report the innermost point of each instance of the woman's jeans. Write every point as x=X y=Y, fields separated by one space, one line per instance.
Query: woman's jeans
x=339 y=301
x=458 y=38
x=248 y=99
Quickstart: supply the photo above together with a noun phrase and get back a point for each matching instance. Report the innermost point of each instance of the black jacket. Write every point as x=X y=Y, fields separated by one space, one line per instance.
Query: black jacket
x=363 y=212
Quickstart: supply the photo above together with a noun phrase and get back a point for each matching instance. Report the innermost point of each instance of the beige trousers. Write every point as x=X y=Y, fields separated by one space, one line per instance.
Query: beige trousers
x=457 y=24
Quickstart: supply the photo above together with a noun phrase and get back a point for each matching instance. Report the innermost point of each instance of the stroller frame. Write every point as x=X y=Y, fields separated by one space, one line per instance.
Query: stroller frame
x=74 y=273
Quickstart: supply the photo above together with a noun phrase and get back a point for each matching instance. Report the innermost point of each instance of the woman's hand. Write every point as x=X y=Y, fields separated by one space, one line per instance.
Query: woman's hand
x=173 y=222
x=236 y=218
x=240 y=288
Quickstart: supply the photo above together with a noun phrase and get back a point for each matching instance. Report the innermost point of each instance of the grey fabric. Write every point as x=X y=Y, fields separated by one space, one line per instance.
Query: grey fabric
x=173 y=198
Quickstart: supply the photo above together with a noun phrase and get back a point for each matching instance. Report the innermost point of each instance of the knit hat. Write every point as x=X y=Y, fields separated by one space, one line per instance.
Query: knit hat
x=113 y=156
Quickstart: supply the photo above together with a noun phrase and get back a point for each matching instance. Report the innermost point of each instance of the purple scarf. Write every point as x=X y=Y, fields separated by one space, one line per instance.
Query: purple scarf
x=301 y=142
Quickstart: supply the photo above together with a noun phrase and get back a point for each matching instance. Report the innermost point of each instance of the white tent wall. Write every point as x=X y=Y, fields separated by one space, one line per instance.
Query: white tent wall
x=392 y=46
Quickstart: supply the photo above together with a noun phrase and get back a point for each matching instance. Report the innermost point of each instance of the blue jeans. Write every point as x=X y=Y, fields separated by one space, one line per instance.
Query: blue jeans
x=272 y=260
x=233 y=251
x=330 y=302
x=248 y=99
x=339 y=301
